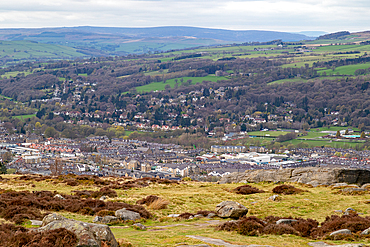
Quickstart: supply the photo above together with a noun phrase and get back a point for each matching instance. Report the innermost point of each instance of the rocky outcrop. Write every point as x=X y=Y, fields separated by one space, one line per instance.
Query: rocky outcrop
x=125 y=214
x=94 y=235
x=308 y=175
x=230 y=209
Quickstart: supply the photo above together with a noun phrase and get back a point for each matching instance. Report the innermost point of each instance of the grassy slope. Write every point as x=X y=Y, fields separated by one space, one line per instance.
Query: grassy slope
x=345 y=70
x=317 y=203
x=161 y=86
x=32 y=50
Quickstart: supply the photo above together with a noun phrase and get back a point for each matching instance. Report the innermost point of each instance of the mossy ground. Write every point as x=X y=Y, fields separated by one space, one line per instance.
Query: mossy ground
x=315 y=203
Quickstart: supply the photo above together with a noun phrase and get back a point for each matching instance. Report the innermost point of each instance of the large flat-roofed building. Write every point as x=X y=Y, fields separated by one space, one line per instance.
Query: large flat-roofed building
x=228 y=149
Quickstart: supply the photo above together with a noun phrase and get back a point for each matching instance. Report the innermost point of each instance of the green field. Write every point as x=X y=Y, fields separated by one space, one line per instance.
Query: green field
x=161 y=86
x=312 y=134
x=22 y=117
x=15 y=73
x=345 y=70
x=267 y=133
x=335 y=128
x=318 y=143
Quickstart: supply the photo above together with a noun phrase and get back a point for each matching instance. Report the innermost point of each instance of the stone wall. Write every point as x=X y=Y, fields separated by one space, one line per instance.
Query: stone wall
x=308 y=175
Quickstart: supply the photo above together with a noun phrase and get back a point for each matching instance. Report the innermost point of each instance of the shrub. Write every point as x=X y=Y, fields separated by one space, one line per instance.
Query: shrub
x=247 y=189
x=105 y=213
x=250 y=226
x=228 y=226
x=205 y=213
x=305 y=227
x=185 y=215
x=280 y=229
x=286 y=190
x=17 y=236
x=352 y=222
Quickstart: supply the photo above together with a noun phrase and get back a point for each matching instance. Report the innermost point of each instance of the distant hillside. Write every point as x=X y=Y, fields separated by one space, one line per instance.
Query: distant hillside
x=101 y=41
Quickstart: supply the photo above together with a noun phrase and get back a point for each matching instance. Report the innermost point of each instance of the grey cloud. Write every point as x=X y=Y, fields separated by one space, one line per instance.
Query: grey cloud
x=288 y=15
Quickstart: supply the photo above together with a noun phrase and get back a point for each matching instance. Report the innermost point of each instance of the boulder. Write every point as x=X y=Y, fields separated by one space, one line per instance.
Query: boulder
x=211 y=215
x=59 y=197
x=88 y=234
x=307 y=175
x=52 y=217
x=322 y=244
x=365 y=186
x=139 y=226
x=342 y=231
x=285 y=221
x=173 y=215
x=125 y=214
x=103 y=198
x=109 y=219
x=349 y=211
x=353 y=190
x=230 y=209
x=339 y=185
x=366 y=232
x=36 y=222
x=273 y=198
x=97 y=219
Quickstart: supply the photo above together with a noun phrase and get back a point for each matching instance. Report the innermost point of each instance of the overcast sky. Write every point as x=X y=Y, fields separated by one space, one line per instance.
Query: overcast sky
x=288 y=15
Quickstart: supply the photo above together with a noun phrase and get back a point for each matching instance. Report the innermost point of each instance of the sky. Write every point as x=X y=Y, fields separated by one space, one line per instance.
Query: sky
x=276 y=15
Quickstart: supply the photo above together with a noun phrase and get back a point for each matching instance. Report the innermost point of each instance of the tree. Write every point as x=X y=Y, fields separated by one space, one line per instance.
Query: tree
x=337 y=134
x=3 y=169
x=50 y=132
x=363 y=135
x=243 y=127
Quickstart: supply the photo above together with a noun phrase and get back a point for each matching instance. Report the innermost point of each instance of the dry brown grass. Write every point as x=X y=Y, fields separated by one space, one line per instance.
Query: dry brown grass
x=160 y=203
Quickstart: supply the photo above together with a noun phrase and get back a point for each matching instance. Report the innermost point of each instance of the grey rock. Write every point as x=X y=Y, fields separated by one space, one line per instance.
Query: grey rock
x=103 y=198
x=254 y=202
x=349 y=211
x=307 y=175
x=125 y=214
x=285 y=221
x=342 y=231
x=198 y=216
x=52 y=217
x=366 y=232
x=173 y=215
x=97 y=219
x=350 y=190
x=88 y=234
x=211 y=215
x=197 y=245
x=109 y=219
x=338 y=211
x=273 y=198
x=36 y=222
x=365 y=186
x=140 y=226
x=337 y=185
x=322 y=244
x=59 y=197
x=191 y=217
x=231 y=209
